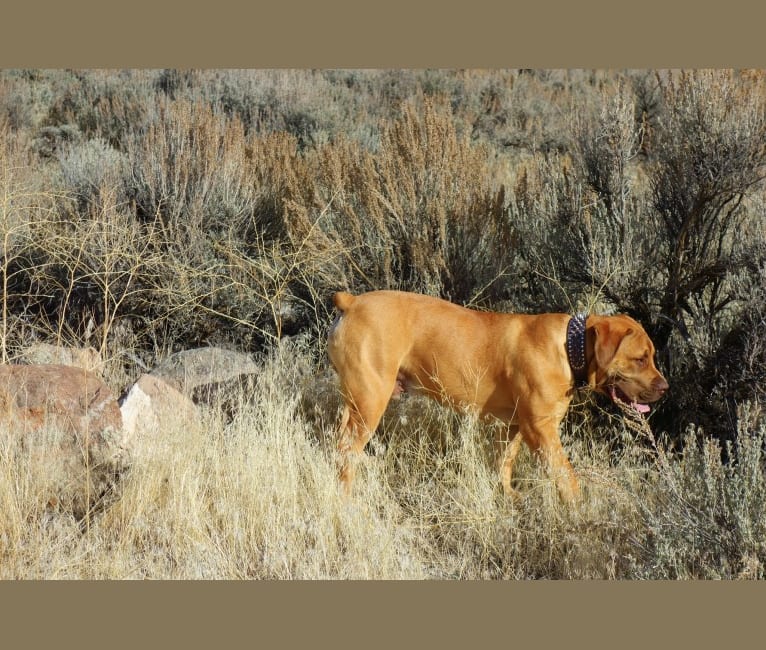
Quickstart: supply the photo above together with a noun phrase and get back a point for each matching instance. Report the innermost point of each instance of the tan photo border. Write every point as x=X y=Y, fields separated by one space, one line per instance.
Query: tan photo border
x=393 y=34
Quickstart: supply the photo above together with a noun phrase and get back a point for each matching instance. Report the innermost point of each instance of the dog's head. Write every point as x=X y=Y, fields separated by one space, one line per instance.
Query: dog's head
x=622 y=363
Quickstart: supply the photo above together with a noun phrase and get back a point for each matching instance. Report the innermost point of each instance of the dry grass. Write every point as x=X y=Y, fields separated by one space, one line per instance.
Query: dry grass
x=258 y=497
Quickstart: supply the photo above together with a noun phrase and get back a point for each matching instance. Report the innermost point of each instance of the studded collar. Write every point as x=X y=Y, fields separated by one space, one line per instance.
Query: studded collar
x=576 y=348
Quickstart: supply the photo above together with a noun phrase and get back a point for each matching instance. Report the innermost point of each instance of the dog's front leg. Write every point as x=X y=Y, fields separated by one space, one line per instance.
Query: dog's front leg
x=542 y=437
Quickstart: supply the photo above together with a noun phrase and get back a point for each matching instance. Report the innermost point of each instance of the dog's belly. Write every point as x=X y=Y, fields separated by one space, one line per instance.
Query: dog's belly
x=455 y=389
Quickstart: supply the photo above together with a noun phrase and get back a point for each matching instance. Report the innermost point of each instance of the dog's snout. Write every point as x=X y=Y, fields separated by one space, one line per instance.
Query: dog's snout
x=660 y=385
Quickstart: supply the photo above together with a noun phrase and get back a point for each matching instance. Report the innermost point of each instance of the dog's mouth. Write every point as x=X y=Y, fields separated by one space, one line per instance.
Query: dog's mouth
x=617 y=393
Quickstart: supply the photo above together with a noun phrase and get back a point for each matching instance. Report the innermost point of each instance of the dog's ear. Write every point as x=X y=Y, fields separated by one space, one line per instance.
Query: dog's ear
x=608 y=334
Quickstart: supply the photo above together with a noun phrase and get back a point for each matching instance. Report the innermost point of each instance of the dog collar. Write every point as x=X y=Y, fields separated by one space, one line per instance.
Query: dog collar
x=576 y=348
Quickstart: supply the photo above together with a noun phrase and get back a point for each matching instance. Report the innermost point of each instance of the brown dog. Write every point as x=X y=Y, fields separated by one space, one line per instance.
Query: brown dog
x=515 y=367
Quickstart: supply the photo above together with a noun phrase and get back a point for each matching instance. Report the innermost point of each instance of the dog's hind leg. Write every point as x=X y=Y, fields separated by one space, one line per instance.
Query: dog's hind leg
x=507 y=446
x=363 y=410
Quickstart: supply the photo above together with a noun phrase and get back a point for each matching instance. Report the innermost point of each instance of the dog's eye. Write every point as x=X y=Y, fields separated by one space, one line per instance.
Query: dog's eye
x=641 y=361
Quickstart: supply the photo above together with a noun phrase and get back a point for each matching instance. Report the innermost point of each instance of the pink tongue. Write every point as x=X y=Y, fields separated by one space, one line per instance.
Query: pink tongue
x=641 y=408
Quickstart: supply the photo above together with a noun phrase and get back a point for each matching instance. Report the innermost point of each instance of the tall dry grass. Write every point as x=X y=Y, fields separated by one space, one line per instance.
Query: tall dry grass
x=257 y=497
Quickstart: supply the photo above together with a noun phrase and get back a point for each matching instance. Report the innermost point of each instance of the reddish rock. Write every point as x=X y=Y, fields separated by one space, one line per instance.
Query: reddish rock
x=65 y=423
x=68 y=397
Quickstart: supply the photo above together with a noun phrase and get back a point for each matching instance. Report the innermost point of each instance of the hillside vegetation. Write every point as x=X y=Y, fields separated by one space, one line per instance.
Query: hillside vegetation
x=147 y=212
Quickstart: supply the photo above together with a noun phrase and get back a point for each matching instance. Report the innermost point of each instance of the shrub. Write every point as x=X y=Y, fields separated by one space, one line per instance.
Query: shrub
x=103 y=104
x=699 y=183
x=675 y=255
x=705 y=517
x=89 y=168
x=422 y=214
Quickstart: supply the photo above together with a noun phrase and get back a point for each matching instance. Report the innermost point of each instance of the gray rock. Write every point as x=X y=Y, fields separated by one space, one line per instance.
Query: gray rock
x=45 y=354
x=204 y=373
x=151 y=409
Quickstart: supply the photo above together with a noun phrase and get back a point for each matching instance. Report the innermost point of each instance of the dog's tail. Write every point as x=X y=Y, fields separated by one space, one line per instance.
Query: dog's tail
x=343 y=300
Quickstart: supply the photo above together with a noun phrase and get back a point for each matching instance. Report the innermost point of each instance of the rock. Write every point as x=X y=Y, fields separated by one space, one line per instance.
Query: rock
x=204 y=374
x=45 y=353
x=64 y=426
x=150 y=410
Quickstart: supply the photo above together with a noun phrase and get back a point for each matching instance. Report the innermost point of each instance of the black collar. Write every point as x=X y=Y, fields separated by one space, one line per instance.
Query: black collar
x=576 y=348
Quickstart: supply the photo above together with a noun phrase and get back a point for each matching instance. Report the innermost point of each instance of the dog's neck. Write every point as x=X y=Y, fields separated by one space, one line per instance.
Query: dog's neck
x=576 y=349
